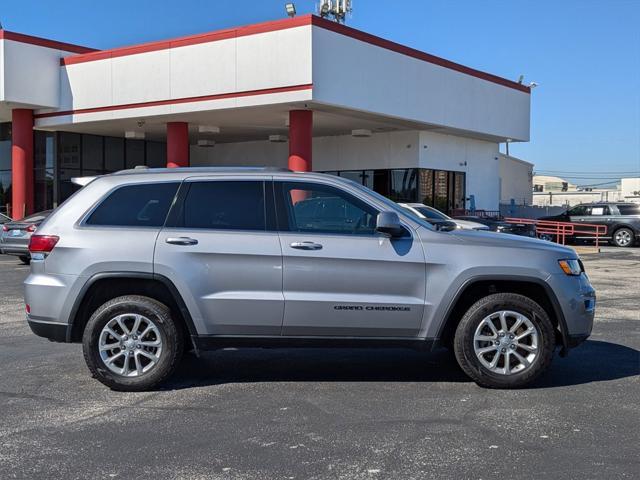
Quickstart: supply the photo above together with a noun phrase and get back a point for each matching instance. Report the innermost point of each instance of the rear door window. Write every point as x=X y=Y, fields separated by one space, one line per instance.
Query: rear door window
x=599 y=210
x=222 y=205
x=141 y=205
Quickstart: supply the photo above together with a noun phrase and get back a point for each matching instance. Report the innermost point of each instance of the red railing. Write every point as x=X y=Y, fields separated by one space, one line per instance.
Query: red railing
x=559 y=231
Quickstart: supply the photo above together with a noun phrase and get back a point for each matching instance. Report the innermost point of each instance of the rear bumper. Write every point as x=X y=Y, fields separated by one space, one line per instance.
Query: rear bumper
x=56 y=332
x=9 y=249
x=49 y=297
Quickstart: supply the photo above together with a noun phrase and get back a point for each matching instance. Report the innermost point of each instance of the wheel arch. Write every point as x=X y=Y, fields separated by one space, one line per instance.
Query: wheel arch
x=102 y=287
x=478 y=287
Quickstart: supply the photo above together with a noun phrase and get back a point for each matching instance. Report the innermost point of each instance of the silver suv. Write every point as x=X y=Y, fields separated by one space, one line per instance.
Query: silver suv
x=142 y=265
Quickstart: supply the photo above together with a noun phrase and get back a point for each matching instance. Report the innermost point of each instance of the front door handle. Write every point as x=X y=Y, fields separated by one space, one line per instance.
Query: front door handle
x=306 y=246
x=181 y=241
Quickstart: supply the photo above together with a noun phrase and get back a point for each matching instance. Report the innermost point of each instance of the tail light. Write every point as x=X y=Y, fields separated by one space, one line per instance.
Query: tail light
x=42 y=243
x=31 y=228
x=5 y=228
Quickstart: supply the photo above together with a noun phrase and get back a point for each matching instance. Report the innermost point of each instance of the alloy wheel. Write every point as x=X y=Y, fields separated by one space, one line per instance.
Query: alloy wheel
x=130 y=345
x=623 y=238
x=506 y=342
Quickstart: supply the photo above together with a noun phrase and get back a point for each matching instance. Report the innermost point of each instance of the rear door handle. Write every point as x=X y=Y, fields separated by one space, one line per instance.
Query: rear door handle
x=306 y=246
x=181 y=241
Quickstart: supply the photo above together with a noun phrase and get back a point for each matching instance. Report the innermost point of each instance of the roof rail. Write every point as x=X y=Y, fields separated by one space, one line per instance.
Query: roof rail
x=230 y=169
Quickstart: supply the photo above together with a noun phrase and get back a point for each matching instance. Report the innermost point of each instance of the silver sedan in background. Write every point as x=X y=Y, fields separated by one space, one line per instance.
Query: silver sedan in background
x=15 y=236
x=432 y=215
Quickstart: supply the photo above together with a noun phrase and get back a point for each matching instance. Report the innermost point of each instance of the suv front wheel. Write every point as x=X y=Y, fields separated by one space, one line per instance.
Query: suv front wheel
x=131 y=343
x=505 y=340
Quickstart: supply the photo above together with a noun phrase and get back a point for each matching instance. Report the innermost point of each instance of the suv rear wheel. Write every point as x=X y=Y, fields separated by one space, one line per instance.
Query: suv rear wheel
x=131 y=343
x=505 y=340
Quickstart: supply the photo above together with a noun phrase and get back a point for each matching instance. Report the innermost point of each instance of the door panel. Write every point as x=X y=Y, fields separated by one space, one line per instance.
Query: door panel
x=362 y=286
x=234 y=278
x=217 y=249
x=340 y=278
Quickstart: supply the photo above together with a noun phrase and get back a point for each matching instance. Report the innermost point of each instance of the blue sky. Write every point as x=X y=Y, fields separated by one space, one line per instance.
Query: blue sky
x=585 y=54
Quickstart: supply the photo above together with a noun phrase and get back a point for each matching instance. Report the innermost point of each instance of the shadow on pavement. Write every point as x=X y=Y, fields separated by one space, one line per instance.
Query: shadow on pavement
x=594 y=361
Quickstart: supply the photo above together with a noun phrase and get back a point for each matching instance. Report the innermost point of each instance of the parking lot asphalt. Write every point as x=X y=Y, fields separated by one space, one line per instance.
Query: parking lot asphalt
x=318 y=413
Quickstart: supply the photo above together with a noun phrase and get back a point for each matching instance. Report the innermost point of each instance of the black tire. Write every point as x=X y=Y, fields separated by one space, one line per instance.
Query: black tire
x=464 y=348
x=170 y=335
x=24 y=259
x=623 y=237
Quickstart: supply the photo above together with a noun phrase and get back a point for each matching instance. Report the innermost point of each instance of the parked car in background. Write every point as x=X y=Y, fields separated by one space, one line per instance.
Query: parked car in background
x=500 y=226
x=437 y=218
x=621 y=219
x=15 y=236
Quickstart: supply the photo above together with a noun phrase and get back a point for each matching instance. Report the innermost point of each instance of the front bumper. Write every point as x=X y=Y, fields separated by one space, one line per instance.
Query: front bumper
x=577 y=302
x=56 y=332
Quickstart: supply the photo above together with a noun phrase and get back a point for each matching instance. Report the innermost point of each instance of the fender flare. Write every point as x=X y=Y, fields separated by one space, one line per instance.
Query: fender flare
x=555 y=304
x=137 y=275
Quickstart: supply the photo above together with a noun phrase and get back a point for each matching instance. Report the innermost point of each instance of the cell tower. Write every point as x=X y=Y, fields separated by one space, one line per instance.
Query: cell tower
x=335 y=10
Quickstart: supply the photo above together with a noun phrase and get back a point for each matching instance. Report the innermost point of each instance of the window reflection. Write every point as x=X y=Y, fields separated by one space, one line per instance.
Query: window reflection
x=442 y=189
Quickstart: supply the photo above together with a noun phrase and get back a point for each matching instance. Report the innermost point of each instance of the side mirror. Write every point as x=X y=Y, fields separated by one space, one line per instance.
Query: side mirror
x=389 y=224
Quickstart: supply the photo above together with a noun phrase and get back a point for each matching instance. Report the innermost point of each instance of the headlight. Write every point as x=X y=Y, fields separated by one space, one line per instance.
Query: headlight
x=571 y=267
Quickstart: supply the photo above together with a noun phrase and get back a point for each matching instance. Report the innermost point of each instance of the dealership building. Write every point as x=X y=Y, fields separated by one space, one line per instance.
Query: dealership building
x=303 y=92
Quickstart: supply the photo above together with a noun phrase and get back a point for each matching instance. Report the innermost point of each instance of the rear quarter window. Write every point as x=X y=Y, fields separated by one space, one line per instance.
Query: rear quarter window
x=629 y=209
x=143 y=205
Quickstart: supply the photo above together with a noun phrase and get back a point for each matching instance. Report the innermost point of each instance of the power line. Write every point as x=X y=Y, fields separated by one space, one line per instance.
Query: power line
x=609 y=172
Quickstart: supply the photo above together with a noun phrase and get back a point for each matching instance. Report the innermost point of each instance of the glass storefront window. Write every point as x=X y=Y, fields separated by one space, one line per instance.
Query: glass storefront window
x=459 y=190
x=381 y=182
x=92 y=154
x=5 y=146
x=113 y=154
x=134 y=153
x=44 y=155
x=441 y=190
x=426 y=186
x=69 y=163
x=60 y=156
x=5 y=166
x=43 y=190
x=353 y=175
x=403 y=185
x=156 y=155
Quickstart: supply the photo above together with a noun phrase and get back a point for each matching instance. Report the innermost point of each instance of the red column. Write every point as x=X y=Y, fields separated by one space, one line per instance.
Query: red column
x=177 y=144
x=21 y=162
x=300 y=140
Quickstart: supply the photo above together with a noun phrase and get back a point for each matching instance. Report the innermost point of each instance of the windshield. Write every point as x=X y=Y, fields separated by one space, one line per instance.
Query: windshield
x=432 y=213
